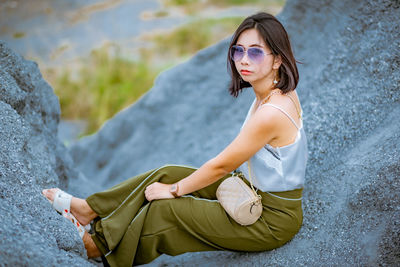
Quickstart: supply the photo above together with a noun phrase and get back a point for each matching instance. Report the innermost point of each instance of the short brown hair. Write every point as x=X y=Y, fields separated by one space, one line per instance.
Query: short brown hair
x=277 y=39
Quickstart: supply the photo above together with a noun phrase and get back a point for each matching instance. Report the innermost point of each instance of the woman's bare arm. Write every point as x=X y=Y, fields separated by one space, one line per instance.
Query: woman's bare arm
x=260 y=129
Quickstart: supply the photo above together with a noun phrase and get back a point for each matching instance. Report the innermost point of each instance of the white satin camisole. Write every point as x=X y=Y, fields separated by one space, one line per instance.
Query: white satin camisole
x=281 y=168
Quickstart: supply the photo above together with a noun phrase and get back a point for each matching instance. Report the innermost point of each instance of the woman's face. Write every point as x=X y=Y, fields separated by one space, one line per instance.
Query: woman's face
x=255 y=72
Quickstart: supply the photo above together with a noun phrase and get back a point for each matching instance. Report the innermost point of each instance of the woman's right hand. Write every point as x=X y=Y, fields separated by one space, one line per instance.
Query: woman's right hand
x=158 y=191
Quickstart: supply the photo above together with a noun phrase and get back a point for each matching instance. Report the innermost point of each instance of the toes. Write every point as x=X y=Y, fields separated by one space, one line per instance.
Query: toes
x=45 y=192
x=49 y=193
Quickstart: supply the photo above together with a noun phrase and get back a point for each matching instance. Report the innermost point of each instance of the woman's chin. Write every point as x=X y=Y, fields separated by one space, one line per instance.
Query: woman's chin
x=248 y=80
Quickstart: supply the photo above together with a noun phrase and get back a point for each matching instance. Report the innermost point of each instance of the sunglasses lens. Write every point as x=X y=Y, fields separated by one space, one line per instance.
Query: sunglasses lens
x=237 y=53
x=255 y=54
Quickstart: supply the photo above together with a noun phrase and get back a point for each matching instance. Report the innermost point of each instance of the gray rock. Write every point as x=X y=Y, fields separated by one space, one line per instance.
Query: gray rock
x=32 y=158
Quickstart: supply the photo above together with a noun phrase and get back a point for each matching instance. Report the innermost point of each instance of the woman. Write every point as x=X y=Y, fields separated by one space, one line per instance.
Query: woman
x=173 y=209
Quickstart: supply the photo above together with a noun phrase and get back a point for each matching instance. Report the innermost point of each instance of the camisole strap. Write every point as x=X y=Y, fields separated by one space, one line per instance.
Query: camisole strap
x=272 y=105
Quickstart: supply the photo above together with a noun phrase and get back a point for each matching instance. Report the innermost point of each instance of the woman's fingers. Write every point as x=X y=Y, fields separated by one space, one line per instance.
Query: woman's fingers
x=157 y=191
x=149 y=192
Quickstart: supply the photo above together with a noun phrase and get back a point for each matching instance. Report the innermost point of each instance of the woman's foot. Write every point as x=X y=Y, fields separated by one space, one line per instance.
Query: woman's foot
x=79 y=207
x=91 y=249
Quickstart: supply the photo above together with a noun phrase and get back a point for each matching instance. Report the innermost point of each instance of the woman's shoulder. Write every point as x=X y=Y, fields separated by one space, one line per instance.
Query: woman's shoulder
x=271 y=114
x=268 y=119
x=281 y=106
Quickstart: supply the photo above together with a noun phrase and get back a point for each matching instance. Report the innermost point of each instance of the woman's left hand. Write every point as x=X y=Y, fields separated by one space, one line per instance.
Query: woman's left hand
x=158 y=191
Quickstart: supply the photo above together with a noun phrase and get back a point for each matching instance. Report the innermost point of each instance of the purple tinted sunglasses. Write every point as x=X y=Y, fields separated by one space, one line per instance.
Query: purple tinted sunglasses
x=255 y=54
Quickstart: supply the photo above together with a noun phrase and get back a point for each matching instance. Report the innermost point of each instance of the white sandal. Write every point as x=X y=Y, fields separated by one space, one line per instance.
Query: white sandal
x=62 y=204
x=79 y=227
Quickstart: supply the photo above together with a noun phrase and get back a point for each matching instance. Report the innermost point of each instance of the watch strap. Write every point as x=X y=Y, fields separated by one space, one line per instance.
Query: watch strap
x=175 y=191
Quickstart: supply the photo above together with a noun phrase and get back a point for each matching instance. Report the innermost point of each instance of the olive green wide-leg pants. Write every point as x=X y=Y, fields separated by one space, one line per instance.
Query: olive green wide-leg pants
x=130 y=230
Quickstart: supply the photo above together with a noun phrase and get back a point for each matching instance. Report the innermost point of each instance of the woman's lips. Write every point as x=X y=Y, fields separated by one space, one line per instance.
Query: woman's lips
x=245 y=72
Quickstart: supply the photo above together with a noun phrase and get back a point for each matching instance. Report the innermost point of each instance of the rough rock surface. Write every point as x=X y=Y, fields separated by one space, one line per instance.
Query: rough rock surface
x=350 y=95
x=32 y=158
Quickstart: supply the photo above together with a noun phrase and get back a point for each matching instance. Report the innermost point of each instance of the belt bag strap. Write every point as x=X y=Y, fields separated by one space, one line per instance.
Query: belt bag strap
x=251 y=183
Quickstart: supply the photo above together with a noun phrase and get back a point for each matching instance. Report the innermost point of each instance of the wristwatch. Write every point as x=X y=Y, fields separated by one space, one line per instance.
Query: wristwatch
x=174 y=190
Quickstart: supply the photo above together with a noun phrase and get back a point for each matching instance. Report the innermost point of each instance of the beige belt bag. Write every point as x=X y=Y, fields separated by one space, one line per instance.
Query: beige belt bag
x=240 y=201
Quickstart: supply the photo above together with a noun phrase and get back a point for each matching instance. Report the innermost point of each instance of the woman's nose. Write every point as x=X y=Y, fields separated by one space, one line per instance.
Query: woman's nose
x=245 y=59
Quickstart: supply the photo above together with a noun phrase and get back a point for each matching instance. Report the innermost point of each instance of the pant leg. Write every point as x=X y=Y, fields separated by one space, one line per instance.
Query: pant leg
x=136 y=231
x=191 y=224
x=125 y=205
x=105 y=202
x=118 y=205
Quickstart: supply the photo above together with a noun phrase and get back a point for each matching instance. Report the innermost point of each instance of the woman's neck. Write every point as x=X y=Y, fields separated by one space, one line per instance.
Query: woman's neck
x=261 y=90
x=261 y=95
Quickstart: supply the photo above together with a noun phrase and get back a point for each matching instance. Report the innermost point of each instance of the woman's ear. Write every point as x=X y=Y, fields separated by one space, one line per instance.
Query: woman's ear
x=277 y=62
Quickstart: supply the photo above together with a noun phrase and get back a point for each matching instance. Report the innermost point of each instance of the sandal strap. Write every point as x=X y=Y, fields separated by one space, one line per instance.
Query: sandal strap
x=62 y=202
x=81 y=229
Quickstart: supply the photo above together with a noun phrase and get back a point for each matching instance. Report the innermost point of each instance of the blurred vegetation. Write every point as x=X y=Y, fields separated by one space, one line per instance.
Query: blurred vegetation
x=190 y=38
x=225 y=3
x=19 y=35
x=192 y=6
x=105 y=82
x=103 y=85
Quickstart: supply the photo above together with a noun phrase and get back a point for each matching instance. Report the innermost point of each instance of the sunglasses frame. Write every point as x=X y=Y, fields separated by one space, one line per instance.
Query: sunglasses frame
x=246 y=51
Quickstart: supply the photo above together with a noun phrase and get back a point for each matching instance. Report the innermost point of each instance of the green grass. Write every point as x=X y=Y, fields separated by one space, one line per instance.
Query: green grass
x=192 y=37
x=103 y=86
x=161 y=13
x=192 y=5
x=246 y=2
x=180 y=2
x=18 y=35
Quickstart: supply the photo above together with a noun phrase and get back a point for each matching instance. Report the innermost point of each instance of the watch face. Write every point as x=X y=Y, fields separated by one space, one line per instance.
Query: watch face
x=173 y=188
